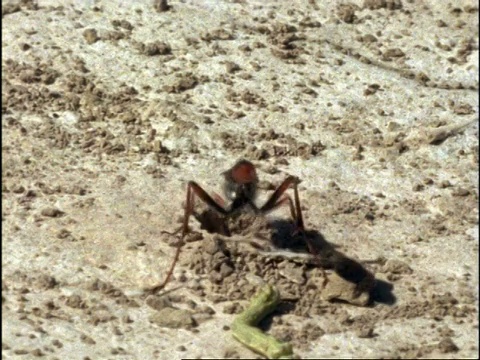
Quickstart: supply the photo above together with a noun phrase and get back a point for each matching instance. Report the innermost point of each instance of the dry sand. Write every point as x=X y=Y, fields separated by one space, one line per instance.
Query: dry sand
x=109 y=108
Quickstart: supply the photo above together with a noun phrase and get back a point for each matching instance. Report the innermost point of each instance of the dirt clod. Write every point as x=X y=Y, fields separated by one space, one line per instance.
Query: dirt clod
x=338 y=288
x=90 y=36
x=158 y=302
x=172 y=318
x=52 y=212
x=366 y=333
x=155 y=48
x=446 y=345
x=396 y=267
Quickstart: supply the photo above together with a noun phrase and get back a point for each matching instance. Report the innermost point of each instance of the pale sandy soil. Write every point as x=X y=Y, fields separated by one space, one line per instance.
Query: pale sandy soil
x=109 y=108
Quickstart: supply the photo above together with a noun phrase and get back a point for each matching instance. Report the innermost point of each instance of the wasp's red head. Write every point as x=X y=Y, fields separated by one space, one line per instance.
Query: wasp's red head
x=241 y=183
x=243 y=172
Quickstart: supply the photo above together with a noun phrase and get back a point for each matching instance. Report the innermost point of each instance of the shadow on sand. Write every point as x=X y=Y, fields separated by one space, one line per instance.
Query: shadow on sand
x=326 y=256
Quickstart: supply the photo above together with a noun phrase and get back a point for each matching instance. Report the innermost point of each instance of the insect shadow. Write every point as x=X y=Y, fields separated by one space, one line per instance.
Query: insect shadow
x=328 y=257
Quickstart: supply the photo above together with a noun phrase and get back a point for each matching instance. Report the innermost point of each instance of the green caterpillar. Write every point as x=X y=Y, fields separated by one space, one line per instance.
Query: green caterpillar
x=244 y=330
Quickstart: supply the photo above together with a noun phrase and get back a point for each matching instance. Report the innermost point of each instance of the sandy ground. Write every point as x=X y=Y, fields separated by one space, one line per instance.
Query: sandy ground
x=109 y=108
